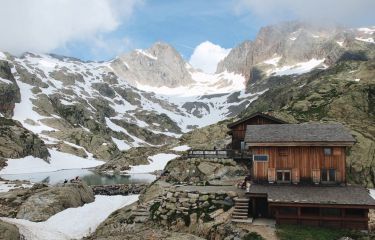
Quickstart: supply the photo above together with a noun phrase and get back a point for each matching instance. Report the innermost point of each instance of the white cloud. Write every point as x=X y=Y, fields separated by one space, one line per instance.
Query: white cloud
x=346 y=12
x=44 y=25
x=207 y=55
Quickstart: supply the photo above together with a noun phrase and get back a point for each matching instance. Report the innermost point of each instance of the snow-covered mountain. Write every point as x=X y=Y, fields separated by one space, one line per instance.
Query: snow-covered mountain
x=294 y=48
x=150 y=97
x=101 y=109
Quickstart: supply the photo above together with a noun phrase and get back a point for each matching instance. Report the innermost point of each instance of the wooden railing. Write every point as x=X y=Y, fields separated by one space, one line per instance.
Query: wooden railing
x=223 y=153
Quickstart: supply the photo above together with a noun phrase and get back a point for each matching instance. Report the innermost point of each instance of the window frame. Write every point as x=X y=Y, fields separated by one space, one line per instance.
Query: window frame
x=255 y=155
x=283 y=171
x=328 y=174
x=330 y=151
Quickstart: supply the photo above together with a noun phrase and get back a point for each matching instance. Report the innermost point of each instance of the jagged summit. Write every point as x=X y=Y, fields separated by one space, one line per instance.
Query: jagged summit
x=279 y=48
x=160 y=65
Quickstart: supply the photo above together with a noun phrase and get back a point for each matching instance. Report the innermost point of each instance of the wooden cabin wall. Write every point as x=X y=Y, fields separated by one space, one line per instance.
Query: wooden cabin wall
x=239 y=130
x=305 y=159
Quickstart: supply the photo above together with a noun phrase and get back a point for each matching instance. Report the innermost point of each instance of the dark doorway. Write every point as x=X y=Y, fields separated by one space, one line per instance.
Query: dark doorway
x=261 y=208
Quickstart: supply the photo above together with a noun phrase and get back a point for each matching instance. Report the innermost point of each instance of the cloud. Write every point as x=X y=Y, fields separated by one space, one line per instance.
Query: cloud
x=207 y=55
x=45 y=25
x=344 y=12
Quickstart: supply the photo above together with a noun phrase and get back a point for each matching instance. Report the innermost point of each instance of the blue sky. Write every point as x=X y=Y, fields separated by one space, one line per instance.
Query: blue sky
x=102 y=29
x=184 y=24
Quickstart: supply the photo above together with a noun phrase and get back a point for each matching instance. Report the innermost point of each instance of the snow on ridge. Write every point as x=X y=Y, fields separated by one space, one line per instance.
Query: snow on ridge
x=341 y=43
x=141 y=51
x=204 y=84
x=2 y=56
x=73 y=223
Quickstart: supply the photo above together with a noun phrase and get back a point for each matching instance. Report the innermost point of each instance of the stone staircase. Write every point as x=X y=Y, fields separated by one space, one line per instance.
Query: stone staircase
x=141 y=213
x=241 y=210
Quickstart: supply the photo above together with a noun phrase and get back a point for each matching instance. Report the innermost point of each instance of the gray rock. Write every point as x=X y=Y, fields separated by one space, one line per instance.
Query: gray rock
x=42 y=205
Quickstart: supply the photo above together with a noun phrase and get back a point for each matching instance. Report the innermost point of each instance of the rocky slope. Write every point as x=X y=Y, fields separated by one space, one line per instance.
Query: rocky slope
x=344 y=93
x=92 y=109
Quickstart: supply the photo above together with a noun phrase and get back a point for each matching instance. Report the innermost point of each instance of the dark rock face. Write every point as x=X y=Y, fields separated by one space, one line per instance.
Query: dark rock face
x=9 y=90
x=16 y=141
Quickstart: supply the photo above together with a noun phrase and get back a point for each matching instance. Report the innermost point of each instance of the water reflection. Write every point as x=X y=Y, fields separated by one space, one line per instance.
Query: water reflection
x=91 y=177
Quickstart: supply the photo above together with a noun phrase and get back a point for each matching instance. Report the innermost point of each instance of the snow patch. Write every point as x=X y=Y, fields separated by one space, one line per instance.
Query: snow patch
x=298 y=68
x=6 y=186
x=73 y=223
x=157 y=162
x=181 y=148
x=121 y=144
x=273 y=61
x=293 y=38
x=341 y=43
x=58 y=161
x=369 y=40
x=6 y=81
x=367 y=30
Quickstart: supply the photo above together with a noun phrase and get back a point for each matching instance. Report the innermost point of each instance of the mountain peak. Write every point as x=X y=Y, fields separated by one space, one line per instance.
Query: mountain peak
x=158 y=66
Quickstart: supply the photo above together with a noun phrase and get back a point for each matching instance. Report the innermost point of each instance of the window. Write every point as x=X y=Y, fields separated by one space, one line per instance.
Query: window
x=355 y=212
x=328 y=175
x=331 y=212
x=262 y=158
x=291 y=211
x=328 y=151
x=310 y=211
x=283 y=176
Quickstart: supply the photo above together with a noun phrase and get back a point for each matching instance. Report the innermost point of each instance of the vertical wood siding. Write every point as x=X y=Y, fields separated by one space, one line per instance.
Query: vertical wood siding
x=300 y=160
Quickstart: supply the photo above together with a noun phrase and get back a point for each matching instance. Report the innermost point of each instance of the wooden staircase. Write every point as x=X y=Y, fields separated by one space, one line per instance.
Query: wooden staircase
x=241 y=211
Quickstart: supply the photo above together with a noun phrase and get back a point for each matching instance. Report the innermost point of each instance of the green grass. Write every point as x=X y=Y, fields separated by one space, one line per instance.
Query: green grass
x=296 y=232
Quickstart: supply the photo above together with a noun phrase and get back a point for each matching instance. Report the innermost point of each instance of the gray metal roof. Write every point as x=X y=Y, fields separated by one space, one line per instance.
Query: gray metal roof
x=347 y=195
x=306 y=132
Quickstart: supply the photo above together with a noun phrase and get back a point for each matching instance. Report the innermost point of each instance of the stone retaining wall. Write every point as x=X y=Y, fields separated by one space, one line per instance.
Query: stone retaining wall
x=190 y=207
x=118 y=189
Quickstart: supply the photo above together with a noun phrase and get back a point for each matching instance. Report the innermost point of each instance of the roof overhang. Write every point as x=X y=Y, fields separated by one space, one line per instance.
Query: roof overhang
x=292 y=144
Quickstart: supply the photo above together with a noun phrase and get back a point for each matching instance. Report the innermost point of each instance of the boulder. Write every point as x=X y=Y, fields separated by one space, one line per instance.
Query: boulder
x=9 y=231
x=42 y=205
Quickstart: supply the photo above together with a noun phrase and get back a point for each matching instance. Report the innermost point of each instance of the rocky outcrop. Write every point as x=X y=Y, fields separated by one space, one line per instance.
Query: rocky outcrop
x=160 y=65
x=42 y=205
x=201 y=170
x=16 y=141
x=9 y=90
x=9 y=231
x=207 y=137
